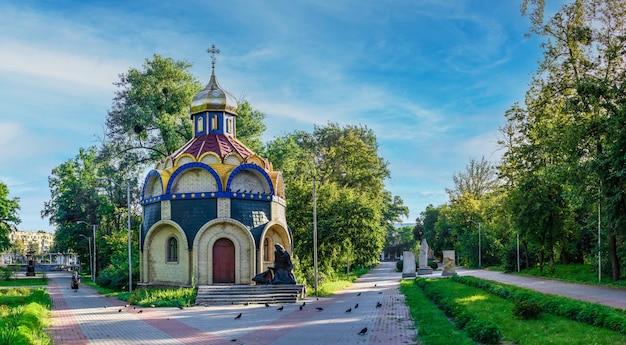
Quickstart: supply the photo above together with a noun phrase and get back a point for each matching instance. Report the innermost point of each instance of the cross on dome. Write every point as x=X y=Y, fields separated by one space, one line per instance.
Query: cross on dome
x=213 y=50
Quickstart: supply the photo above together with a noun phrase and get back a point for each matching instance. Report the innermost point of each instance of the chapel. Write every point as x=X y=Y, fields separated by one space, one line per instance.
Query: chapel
x=214 y=210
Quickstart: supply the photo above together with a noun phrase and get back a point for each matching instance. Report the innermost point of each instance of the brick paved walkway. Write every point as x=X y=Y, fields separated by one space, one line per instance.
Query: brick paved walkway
x=83 y=317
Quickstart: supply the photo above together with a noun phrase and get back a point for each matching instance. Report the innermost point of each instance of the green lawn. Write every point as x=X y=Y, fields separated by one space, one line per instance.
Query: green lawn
x=548 y=329
x=24 y=282
x=24 y=313
x=575 y=273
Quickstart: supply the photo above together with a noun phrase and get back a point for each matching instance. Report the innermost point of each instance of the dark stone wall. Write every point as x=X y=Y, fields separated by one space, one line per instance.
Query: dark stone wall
x=192 y=214
x=151 y=215
x=250 y=212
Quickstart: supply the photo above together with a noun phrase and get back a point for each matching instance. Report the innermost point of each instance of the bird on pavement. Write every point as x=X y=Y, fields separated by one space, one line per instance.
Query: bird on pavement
x=319 y=308
x=359 y=294
x=378 y=305
x=300 y=307
x=179 y=307
x=349 y=310
x=356 y=306
x=303 y=304
x=281 y=308
x=363 y=331
x=119 y=310
x=267 y=305
x=140 y=311
x=238 y=317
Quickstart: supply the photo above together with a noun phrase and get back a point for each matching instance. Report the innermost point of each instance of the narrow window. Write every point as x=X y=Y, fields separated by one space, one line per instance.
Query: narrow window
x=266 y=250
x=172 y=250
x=214 y=123
x=200 y=124
x=230 y=126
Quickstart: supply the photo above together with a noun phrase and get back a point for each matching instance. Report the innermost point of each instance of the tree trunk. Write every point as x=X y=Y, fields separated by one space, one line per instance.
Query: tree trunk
x=615 y=268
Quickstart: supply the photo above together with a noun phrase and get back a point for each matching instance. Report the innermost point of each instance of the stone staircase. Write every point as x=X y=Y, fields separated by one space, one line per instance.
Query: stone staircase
x=242 y=294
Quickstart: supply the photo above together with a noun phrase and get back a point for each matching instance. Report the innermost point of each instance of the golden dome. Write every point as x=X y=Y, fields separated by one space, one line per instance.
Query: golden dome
x=213 y=98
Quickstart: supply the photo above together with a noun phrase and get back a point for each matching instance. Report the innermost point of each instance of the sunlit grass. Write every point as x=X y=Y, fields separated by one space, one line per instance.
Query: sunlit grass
x=24 y=313
x=548 y=329
x=24 y=282
x=434 y=328
x=169 y=297
x=576 y=273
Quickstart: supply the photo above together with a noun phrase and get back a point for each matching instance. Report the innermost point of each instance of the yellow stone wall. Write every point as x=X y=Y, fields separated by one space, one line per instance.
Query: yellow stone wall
x=155 y=255
x=244 y=250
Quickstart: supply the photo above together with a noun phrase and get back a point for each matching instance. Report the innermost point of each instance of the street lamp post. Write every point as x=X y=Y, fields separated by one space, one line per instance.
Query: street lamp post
x=130 y=257
x=480 y=263
x=95 y=257
x=90 y=258
x=315 y=233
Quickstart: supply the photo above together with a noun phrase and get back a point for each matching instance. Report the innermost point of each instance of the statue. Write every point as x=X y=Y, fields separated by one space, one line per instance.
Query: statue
x=283 y=267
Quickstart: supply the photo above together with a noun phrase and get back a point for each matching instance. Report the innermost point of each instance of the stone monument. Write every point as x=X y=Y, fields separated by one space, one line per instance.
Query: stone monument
x=283 y=267
x=408 y=265
x=423 y=259
x=448 y=263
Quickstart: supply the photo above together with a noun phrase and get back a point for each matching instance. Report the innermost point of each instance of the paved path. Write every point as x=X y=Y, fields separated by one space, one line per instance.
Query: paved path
x=81 y=318
x=612 y=297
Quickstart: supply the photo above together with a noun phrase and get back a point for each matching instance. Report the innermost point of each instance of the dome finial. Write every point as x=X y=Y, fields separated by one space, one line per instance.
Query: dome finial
x=213 y=51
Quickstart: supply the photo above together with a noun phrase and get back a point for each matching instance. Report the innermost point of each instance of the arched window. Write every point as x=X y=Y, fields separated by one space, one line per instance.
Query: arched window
x=267 y=249
x=200 y=124
x=214 y=123
x=172 y=250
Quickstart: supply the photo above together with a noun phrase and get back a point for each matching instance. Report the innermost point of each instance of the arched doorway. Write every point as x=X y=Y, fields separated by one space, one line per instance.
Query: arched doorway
x=223 y=262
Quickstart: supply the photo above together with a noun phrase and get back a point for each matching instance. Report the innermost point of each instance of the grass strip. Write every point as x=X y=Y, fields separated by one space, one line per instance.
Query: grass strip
x=434 y=328
x=24 y=315
x=548 y=329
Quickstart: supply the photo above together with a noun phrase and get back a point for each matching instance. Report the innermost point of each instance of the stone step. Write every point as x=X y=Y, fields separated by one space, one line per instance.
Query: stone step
x=242 y=294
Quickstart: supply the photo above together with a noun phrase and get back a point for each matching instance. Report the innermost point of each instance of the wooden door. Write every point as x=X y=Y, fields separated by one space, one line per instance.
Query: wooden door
x=223 y=262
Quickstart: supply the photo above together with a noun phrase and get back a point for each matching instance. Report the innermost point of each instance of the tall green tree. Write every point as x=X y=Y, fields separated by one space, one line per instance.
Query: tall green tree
x=8 y=215
x=354 y=211
x=574 y=112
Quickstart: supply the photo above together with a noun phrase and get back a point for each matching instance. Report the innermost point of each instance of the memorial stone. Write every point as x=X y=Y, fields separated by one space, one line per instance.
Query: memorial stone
x=408 y=265
x=448 y=263
x=423 y=259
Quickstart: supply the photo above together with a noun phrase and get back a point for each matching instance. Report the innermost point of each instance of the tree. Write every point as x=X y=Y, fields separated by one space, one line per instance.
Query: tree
x=575 y=112
x=149 y=119
x=74 y=199
x=478 y=179
x=250 y=126
x=8 y=215
x=353 y=209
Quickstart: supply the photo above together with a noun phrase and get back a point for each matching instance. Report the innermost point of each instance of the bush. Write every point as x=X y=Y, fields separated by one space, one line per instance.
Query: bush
x=526 y=310
x=7 y=272
x=484 y=331
x=400 y=265
x=433 y=265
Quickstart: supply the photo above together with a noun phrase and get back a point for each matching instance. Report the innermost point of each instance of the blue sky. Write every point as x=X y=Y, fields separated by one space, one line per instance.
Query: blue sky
x=431 y=78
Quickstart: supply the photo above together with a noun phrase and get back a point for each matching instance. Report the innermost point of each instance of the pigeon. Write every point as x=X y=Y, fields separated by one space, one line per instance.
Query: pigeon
x=281 y=308
x=134 y=308
x=356 y=306
x=119 y=310
x=359 y=294
x=125 y=305
x=375 y=285
x=363 y=331
x=319 y=308
x=349 y=310
x=267 y=305
x=380 y=293
x=139 y=312
x=105 y=307
x=238 y=317
x=378 y=305
x=300 y=307
x=179 y=307
x=303 y=304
